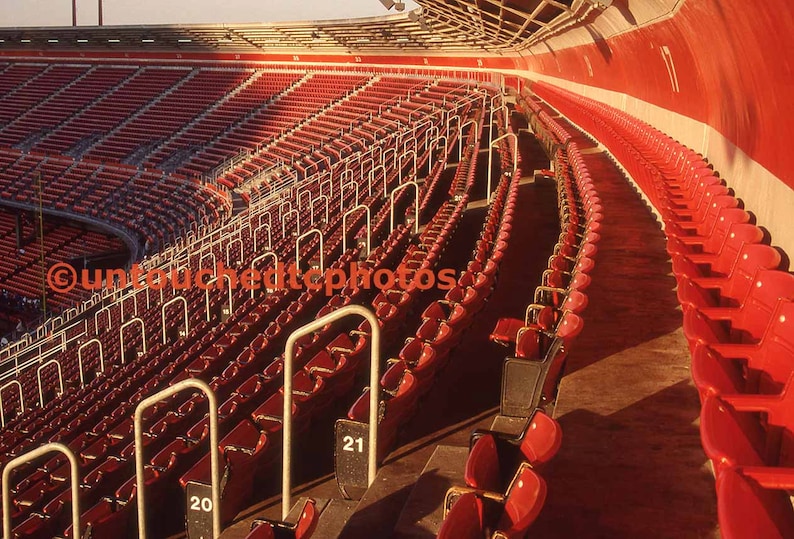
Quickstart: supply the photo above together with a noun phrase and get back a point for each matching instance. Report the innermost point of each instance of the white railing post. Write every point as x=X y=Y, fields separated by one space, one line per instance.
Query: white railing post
x=80 y=358
x=140 y=479
x=416 y=205
x=121 y=336
x=368 y=224
x=21 y=400
x=490 y=160
x=185 y=314
x=38 y=378
x=374 y=394
x=261 y=257
x=297 y=248
x=31 y=456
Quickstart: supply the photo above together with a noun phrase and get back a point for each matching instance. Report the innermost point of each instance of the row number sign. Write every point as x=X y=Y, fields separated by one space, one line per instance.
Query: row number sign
x=351 y=451
x=199 y=510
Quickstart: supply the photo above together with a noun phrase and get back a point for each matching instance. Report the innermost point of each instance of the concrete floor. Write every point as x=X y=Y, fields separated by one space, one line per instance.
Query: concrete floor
x=631 y=464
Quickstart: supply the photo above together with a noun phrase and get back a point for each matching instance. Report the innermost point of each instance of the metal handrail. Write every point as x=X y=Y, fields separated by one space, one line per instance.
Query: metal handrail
x=269 y=236
x=21 y=400
x=490 y=160
x=297 y=248
x=185 y=314
x=342 y=188
x=140 y=479
x=31 y=456
x=374 y=394
x=369 y=226
x=460 y=136
x=416 y=205
x=121 y=336
x=38 y=378
x=80 y=358
x=400 y=165
x=311 y=208
x=261 y=257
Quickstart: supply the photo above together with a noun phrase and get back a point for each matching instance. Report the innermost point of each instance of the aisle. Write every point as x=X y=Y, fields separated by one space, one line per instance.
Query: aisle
x=631 y=464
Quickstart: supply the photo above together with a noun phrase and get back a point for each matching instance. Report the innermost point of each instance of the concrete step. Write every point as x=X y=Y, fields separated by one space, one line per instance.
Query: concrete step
x=424 y=510
x=333 y=518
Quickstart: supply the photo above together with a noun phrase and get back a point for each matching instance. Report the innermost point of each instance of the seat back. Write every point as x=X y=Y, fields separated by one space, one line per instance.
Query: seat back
x=464 y=520
x=308 y=520
x=576 y=302
x=769 y=287
x=523 y=504
x=738 y=235
x=726 y=225
x=541 y=440
x=735 y=286
x=482 y=465
x=570 y=326
x=745 y=509
x=752 y=258
x=730 y=438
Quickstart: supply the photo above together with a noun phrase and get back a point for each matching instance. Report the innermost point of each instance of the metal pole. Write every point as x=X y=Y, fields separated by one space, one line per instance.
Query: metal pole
x=41 y=248
x=121 y=336
x=21 y=400
x=31 y=456
x=490 y=160
x=140 y=481
x=297 y=248
x=374 y=395
x=369 y=226
x=416 y=205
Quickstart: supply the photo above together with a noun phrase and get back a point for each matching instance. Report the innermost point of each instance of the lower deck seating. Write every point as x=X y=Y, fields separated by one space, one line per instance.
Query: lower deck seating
x=152 y=207
x=20 y=266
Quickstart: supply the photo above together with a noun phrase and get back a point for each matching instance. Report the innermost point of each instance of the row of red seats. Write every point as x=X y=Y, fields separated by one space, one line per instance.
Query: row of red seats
x=330 y=373
x=738 y=309
x=195 y=298
x=116 y=430
x=249 y=230
x=399 y=383
x=98 y=514
x=411 y=374
x=504 y=493
x=121 y=196
x=197 y=432
x=37 y=90
x=64 y=103
x=289 y=109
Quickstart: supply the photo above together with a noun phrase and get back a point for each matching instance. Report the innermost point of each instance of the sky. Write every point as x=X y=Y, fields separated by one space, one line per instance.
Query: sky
x=116 y=12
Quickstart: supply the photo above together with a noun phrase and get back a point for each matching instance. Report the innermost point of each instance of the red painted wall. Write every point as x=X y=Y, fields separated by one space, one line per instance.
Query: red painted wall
x=733 y=64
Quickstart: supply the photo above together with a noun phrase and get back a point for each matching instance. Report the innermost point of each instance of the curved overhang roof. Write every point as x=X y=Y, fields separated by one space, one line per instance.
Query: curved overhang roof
x=443 y=26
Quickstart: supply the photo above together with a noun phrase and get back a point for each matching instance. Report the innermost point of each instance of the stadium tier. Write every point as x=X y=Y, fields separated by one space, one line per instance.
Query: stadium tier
x=478 y=270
